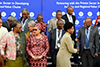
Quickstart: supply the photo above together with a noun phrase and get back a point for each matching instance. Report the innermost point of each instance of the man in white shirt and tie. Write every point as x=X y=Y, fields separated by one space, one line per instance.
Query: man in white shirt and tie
x=55 y=36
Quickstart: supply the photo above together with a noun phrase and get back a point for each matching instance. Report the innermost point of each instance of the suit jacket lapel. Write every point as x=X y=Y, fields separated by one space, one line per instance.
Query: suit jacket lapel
x=26 y=23
x=55 y=36
x=62 y=32
x=90 y=32
x=73 y=20
x=67 y=18
x=55 y=21
x=83 y=35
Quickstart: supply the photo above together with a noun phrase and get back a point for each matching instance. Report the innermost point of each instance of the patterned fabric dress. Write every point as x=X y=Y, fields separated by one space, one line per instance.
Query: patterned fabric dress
x=37 y=47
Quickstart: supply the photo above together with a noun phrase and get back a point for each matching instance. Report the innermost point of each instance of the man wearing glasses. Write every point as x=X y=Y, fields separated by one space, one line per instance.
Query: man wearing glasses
x=53 y=22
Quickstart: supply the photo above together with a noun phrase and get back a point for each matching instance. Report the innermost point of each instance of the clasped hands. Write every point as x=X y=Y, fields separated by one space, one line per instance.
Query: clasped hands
x=37 y=57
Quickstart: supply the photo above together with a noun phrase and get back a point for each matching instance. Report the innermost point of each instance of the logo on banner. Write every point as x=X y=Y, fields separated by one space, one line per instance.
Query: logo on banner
x=20 y=14
x=3 y=14
x=89 y=13
x=53 y=14
x=81 y=14
x=98 y=13
x=77 y=31
x=48 y=22
x=93 y=22
x=76 y=22
x=63 y=13
x=76 y=34
x=73 y=13
x=31 y=14
x=13 y=14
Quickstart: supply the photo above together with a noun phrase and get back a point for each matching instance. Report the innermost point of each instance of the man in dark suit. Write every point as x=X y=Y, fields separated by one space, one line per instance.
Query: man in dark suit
x=89 y=43
x=55 y=36
x=69 y=17
x=8 y=24
x=24 y=20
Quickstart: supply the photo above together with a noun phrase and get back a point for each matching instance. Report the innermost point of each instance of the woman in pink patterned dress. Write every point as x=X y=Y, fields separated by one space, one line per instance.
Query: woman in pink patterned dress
x=37 y=47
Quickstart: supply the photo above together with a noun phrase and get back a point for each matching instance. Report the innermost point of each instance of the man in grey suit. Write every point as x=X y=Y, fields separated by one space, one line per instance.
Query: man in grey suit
x=89 y=43
x=24 y=20
x=55 y=36
x=52 y=22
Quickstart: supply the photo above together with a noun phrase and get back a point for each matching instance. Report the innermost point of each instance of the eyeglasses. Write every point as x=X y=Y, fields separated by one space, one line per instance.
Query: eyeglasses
x=59 y=14
x=35 y=29
x=18 y=27
x=86 y=23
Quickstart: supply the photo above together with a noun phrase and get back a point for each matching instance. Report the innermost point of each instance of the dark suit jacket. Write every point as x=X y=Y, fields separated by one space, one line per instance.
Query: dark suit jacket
x=93 y=40
x=73 y=36
x=66 y=18
x=52 y=40
x=6 y=25
x=26 y=25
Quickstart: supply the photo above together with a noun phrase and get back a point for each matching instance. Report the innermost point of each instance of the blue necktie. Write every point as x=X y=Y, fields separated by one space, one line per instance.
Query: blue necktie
x=86 y=40
x=23 y=21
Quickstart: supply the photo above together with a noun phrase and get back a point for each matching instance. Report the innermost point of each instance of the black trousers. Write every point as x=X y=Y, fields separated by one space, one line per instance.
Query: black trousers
x=87 y=58
x=96 y=61
x=54 y=58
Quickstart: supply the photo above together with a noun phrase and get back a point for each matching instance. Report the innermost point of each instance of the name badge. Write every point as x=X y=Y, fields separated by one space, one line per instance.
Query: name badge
x=58 y=45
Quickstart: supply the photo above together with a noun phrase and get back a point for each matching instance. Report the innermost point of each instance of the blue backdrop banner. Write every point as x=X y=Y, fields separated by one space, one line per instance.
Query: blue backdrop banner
x=48 y=8
x=14 y=7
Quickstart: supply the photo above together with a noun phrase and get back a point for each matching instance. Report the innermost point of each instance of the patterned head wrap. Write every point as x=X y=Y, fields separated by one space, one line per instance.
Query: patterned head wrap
x=42 y=26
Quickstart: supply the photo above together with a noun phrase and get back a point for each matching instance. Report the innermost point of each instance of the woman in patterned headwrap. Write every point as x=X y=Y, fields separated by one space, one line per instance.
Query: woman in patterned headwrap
x=37 y=46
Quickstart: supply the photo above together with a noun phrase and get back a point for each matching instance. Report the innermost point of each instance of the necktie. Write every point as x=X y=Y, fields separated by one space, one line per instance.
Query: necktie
x=58 y=33
x=87 y=31
x=58 y=36
x=23 y=21
x=70 y=17
x=86 y=40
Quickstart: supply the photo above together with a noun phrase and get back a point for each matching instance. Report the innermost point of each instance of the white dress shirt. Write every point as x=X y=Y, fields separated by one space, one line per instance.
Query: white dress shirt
x=70 y=18
x=23 y=25
x=57 y=38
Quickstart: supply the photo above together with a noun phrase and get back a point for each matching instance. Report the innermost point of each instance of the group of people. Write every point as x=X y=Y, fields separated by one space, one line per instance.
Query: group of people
x=23 y=42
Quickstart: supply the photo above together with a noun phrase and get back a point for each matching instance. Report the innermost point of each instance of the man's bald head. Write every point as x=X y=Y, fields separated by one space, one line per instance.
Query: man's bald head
x=60 y=24
x=88 y=19
x=69 y=10
x=87 y=22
